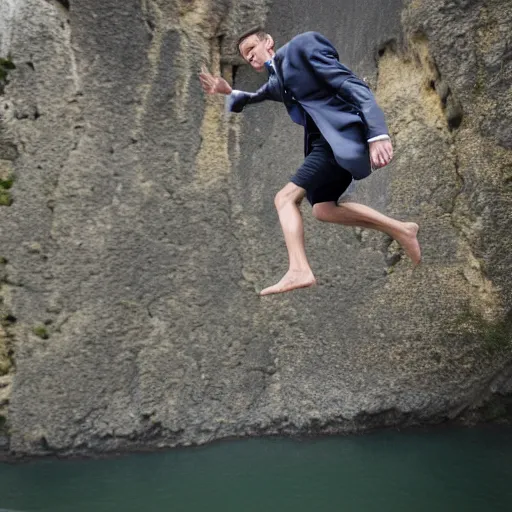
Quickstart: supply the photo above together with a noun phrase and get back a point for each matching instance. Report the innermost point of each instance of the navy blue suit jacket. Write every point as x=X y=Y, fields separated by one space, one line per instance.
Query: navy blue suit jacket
x=312 y=79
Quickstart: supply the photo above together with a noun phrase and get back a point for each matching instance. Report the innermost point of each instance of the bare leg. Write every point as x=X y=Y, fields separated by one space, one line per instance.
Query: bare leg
x=355 y=214
x=299 y=274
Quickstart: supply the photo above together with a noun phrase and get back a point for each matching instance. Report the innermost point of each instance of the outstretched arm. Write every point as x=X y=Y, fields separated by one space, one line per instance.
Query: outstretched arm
x=236 y=100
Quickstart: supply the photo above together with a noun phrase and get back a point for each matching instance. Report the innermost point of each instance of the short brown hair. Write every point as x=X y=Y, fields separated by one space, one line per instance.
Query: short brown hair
x=258 y=31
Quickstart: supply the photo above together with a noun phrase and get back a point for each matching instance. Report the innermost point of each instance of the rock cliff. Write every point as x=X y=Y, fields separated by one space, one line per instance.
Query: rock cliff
x=137 y=224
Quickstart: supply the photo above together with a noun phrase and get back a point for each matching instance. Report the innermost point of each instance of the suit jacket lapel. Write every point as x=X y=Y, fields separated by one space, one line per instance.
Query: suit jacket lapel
x=278 y=61
x=294 y=109
x=275 y=88
x=278 y=66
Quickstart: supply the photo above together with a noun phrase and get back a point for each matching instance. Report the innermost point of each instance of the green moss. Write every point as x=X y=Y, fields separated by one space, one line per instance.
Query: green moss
x=495 y=411
x=5 y=198
x=479 y=87
x=5 y=195
x=498 y=409
x=6 y=65
x=494 y=337
x=41 y=331
x=497 y=337
x=7 y=319
x=6 y=184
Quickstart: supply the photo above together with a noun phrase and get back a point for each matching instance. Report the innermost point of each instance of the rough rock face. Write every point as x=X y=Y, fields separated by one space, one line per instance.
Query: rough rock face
x=138 y=224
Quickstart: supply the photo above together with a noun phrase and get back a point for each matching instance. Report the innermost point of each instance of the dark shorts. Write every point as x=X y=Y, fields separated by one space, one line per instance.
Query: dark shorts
x=320 y=175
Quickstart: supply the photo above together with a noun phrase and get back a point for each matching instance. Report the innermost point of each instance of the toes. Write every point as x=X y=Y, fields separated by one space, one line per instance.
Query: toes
x=268 y=291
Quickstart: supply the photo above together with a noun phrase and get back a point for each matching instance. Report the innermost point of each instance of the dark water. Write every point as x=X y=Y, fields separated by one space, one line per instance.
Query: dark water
x=441 y=470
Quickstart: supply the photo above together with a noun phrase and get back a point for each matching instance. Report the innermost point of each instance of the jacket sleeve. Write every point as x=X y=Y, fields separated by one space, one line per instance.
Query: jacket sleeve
x=357 y=93
x=325 y=65
x=237 y=100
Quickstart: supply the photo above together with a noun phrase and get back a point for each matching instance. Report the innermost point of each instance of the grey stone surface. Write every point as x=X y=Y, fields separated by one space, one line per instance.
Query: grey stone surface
x=142 y=226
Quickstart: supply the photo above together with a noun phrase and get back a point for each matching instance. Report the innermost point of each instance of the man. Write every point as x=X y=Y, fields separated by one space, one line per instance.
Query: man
x=345 y=137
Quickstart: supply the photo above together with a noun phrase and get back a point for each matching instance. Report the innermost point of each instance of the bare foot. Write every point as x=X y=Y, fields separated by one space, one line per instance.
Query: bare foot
x=409 y=242
x=292 y=280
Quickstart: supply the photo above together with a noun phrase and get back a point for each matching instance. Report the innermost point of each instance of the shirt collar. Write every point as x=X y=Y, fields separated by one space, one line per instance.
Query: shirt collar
x=270 y=65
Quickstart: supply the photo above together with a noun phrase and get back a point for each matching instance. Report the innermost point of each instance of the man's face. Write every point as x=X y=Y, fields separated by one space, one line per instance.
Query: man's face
x=256 y=51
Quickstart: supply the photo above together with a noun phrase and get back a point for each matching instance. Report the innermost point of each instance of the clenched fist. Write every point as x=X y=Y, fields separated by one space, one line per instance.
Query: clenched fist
x=381 y=153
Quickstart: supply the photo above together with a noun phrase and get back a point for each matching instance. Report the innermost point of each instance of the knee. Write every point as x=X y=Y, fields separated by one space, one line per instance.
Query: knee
x=322 y=211
x=279 y=200
x=284 y=197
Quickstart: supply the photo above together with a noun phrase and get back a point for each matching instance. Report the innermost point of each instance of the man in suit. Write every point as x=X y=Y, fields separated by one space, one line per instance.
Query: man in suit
x=345 y=137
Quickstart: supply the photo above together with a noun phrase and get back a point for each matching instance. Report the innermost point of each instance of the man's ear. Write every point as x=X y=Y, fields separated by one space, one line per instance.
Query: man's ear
x=269 y=43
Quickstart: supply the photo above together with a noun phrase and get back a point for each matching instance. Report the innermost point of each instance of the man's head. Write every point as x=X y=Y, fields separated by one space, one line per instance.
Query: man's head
x=256 y=47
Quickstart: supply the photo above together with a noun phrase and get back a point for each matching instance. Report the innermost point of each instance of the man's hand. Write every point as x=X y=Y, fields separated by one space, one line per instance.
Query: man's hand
x=213 y=84
x=381 y=153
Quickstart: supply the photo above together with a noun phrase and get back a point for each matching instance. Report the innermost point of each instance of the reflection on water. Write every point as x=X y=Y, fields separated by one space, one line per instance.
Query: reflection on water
x=441 y=470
